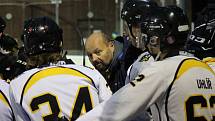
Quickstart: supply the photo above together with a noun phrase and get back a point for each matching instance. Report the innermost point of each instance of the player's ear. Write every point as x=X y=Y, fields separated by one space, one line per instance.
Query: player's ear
x=110 y=44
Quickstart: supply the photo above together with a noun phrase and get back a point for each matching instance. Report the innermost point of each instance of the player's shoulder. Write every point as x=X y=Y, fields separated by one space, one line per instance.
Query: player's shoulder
x=143 y=60
x=181 y=63
x=3 y=84
x=4 y=95
x=88 y=71
x=4 y=87
x=145 y=57
x=81 y=68
x=49 y=69
x=77 y=66
x=209 y=60
x=82 y=71
x=167 y=66
x=164 y=70
x=18 y=83
x=175 y=60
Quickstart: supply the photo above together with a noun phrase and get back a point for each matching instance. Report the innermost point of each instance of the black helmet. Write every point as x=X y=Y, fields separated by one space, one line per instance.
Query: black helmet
x=179 y=24
x=42 y=35
x=8 y=44
x=2 y=24
x=6 y=65
x=169 y=21
x=133 y=10
x=201 y=41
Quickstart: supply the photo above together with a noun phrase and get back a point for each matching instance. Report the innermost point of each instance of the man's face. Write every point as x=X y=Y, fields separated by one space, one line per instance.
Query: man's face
x=154 y=45
x=100 y=52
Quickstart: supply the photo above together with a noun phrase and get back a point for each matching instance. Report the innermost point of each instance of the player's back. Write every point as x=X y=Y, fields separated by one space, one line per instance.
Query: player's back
x=6 y=113
x=142 y=61
x=181 y=88
x=190 y=96
x=55 y=92
x=210 y=61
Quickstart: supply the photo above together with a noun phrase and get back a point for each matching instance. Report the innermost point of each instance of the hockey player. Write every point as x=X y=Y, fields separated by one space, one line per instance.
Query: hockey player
x=6 y=113
x=201 y=41
x=53 y=90
x=131 y=13
x=180 y=86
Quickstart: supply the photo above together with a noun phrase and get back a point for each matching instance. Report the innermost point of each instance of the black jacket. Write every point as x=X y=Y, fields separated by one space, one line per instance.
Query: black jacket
x=116 y=73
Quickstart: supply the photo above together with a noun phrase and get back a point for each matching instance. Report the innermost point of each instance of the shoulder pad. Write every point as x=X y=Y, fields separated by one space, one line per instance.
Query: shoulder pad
x=145 y=57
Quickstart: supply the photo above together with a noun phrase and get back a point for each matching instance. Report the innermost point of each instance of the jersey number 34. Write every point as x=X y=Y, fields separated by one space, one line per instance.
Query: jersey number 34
x=82 y=99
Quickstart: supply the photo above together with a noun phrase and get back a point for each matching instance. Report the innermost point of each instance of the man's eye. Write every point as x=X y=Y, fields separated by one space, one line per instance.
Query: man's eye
x=98 y=52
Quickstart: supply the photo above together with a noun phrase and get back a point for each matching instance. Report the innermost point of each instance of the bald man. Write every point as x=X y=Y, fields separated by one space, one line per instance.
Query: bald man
x=100 y=50
x=111 y=57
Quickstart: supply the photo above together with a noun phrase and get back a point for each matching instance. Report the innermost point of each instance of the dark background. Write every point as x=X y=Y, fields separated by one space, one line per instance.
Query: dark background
x=73 y=16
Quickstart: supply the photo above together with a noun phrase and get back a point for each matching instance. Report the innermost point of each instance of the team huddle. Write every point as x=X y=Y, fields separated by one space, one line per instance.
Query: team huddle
x=159 y=70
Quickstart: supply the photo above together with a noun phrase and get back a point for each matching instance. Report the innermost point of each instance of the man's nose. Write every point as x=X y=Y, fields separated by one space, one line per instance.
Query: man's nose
x=94 y=57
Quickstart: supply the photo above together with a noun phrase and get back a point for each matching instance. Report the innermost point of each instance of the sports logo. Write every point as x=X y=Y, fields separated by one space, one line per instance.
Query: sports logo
x=145 y=57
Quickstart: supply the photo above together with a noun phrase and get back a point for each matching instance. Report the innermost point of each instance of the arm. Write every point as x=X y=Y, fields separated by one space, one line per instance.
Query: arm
x=6 y=113
x=20 y=114
x=141 y=63
x=134 y=97
x=104 y=91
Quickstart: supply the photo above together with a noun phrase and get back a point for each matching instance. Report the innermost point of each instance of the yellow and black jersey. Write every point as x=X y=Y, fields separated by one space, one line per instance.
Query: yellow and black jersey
x=180 y=88
x=6 y=113
x=142 y=62
x=210 y=61
x=50 y=93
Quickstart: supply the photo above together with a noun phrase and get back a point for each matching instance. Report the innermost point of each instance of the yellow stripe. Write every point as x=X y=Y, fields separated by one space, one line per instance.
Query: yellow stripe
x=208 y=59
x=53 y=72
x=192 y=63
x=2 y=98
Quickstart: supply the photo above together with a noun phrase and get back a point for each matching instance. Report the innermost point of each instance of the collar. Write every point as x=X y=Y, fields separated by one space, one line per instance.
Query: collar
x=209 y=59
x=117 y=55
